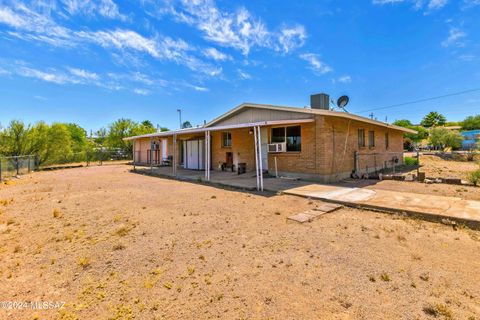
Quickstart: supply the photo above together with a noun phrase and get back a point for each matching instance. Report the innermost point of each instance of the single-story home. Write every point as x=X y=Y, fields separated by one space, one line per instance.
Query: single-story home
x=313 y=143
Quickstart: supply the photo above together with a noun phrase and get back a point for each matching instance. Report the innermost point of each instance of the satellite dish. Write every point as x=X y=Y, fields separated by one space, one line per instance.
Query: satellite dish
x=342 y=102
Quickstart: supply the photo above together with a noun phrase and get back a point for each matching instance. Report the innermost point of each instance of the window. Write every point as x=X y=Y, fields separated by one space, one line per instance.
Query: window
x=361 y=138
x=292 y=136
x=371 y=139
x=278 y=135
x=226 y=139
x=387 y=140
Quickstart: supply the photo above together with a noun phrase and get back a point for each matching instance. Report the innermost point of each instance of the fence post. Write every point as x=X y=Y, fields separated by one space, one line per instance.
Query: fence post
x=17 y=164
x=29 y=164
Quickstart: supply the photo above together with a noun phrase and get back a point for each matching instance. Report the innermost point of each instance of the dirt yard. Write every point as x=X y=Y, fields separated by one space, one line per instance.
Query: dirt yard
x=436 y=167
x=117 y=245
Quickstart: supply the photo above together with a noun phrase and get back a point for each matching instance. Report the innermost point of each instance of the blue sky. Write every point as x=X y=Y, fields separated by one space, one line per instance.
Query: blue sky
x=92 y=62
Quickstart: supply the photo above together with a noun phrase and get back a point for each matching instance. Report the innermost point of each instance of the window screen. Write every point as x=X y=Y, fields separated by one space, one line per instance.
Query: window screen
x=361 y=138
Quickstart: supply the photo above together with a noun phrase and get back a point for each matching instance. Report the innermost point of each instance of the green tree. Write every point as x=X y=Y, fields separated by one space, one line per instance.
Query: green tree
x=411 y=138
x=443 y=138
x=433 y=119
x=471 y=123
x=124 y=128
x=38 y=137
x=78 y=136
x=15 y=139
x=186 y=124
x=59 y=144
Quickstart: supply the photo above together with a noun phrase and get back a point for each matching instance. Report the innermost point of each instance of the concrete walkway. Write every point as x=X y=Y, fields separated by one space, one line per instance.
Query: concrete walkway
x=430 y=207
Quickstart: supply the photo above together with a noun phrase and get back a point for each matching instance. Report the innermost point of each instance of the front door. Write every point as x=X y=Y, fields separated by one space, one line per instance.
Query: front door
x=264 y=143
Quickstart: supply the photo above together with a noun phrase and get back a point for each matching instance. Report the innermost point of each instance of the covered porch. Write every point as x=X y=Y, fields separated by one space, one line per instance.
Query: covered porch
x=237 y=154
x=247 y=181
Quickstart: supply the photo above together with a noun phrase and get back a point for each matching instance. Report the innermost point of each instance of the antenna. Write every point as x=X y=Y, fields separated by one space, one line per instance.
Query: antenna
x=371 y=115
x=342 y=102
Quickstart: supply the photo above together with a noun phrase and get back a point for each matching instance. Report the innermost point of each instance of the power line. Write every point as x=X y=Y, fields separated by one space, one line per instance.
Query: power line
x=421 y=100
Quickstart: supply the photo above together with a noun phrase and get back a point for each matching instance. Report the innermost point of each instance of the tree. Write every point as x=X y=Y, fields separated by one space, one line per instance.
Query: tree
x=471 y=123
x=443 y=138
x=78 y=136
x=59 y=144
x=411 y=138
x=186 y=124
x=433 y=119
x=15 y=139
x=123 y=128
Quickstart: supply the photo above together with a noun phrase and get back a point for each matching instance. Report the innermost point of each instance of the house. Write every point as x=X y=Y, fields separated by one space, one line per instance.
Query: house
x=313 y=143
x=471 y=139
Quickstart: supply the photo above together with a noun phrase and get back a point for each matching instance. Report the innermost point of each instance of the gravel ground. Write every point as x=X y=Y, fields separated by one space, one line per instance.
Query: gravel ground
x=118 y=245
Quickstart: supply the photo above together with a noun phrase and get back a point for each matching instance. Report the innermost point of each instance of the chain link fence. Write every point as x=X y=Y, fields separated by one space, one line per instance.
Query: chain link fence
x=17 y=165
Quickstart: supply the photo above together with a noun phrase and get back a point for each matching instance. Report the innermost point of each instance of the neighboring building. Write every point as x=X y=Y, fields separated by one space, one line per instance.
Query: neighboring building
x=471 y=139
x=311 y=143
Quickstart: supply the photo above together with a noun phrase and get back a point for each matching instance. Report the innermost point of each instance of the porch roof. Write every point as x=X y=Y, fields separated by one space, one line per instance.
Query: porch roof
x=219 y=128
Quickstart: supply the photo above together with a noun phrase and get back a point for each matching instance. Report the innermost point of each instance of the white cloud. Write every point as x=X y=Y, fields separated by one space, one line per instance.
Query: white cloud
x=470 y=3
x=455 y=37
x=345 y=79
x=417 y=4
x=105 y=8
x=238 y=30
x=292 y=38
x=142 y=92
x=315 y=63
x=243 y=75
x=216 y=55
x=83 y=74
x=48 y=76
x=467 y=57
x=122 y=39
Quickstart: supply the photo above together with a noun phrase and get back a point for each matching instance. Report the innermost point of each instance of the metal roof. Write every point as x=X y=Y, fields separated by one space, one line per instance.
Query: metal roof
x=210 y=126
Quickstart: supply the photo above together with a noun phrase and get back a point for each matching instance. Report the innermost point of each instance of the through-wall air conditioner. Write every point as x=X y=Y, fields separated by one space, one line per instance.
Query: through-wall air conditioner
x=277 y=147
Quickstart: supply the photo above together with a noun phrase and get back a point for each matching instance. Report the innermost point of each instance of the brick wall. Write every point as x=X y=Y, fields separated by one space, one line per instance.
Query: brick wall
x=242 y=148
x=338 y=140
x=303 y=161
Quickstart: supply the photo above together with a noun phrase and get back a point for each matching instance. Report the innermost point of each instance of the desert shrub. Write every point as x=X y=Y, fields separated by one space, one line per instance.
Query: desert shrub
x=474 y=177
x=410 y=161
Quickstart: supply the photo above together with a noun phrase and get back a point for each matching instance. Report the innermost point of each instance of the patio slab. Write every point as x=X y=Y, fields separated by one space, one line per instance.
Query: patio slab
x=429 y=207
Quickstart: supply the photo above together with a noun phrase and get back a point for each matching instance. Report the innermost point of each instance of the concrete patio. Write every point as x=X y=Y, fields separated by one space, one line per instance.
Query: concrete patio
x=246 y=181
x=426 y=207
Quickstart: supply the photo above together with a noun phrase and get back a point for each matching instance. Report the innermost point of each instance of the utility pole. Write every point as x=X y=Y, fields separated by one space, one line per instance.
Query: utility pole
x=180 y=117
x=371 y=115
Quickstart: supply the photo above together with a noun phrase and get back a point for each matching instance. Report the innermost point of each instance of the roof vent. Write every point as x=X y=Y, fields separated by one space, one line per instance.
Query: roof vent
x=320 y=101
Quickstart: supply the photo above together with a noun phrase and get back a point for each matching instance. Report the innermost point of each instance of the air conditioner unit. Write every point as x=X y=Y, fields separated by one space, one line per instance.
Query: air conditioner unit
x=277 y=147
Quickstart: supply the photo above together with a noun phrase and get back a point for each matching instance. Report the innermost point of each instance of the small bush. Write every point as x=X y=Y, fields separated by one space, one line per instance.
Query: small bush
x=57 y=213
x=410 y=161
x=474 y=177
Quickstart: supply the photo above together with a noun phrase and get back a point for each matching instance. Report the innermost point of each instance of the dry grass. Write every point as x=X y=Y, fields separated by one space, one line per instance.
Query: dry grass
x=188 y=255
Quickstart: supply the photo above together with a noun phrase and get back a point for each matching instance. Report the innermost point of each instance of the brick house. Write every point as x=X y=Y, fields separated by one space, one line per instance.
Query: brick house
x=310 y=143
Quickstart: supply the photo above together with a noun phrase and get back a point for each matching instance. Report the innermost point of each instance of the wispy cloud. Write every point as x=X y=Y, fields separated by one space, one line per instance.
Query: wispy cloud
x=238 y=29
x=292 y=38
x=315 y=63
x=243 y=75
x=83 y=74
x=214 y=54
x=141 y=92
x=455 y=38
x=33 y=26
x=343 y=79
x=427 y=5
x=105 y=8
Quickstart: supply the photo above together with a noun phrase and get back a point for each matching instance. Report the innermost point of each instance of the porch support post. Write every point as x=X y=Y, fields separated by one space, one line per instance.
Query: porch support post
x=134 y=145
x=174 y=162
x=209 y=154
x=206 y=155
x=260 y=164
x=151 y=158
x=256 y=157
